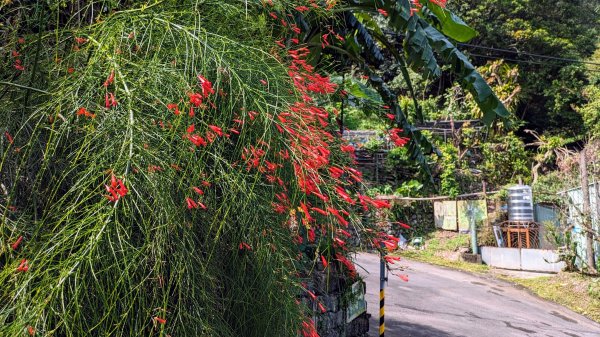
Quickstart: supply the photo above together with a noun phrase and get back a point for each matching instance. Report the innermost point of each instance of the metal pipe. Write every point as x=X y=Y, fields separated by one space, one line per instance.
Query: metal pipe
x=472 y=228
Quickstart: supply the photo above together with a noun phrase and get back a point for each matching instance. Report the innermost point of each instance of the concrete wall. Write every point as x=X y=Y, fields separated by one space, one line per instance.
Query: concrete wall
x=540 y=260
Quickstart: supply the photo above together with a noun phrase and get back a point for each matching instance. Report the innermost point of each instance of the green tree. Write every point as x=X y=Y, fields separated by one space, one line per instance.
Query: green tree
x=565 y=29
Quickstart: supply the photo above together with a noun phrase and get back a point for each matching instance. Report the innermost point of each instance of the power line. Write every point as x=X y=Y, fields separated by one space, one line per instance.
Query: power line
x=530 y=54
x=524 y=61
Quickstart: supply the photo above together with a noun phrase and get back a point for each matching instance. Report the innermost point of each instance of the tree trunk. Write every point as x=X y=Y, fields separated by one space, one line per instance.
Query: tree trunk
x=586 y=216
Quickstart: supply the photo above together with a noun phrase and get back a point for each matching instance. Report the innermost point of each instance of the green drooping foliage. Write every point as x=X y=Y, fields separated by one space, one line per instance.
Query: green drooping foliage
x=164 y=173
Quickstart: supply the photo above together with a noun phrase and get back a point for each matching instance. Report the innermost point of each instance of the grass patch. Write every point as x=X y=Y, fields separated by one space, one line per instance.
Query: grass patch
x=443 y=249
x=572 y=290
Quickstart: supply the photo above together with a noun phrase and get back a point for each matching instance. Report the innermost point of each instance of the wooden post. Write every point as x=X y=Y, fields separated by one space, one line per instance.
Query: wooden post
x=586 y=219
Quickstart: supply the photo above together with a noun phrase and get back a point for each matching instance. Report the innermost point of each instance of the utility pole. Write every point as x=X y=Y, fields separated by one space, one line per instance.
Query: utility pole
x=382 y=280
x=586 y=216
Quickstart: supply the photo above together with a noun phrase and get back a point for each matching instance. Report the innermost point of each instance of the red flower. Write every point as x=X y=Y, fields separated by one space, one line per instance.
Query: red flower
x=311 y=235
x=403 y=277
x=244 y=245
x=30 y=330
x=70 y=70
x=441 y=3
x=347 y=148
x=197 y=140
x=19 y=66
x=9 y=138
x=382 y=12
x=110 y=100
x=403 y=225
x=81 y=40
x=21 y=40
x=206 y=85
x=116 y=189
x=391 y=116
x=84 y=112
x=342 y=193
x=216 y=130
x=160 y=320
x=197 y=190
x=302 y=9
x=16 y=244
x=263 y=82
x=110 y=79
x=191 y=203
x=312 y=295
x=321 y=307
x=320 y=211
x=391 y=259
x=15 y=53
x=173 y=107
x=196 y=99
x=340 y=218
x=324 y=261
x=23 y=266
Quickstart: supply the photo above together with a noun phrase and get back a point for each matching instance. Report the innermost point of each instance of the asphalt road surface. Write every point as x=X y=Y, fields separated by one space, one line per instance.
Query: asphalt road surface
x=439 y=302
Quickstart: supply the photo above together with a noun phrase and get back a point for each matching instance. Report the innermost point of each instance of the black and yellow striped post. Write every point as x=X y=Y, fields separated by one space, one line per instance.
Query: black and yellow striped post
x=382 y=280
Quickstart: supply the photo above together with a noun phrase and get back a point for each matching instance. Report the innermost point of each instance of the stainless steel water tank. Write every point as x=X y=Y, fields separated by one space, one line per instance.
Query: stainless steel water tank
x=520 y=203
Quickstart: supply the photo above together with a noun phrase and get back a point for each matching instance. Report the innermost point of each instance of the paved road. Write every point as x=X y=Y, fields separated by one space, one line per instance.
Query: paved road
x=438 y=302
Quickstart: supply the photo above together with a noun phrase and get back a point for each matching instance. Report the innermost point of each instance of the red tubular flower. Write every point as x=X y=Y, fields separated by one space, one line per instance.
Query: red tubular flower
x=19 y=66
x=173 y=107
x=15 y=53
x=382 y=12
x=216 y=130
x=403 y=277
x=311 y=235
x=324 y=261
x=307 y=218
x=116 y=189
x=191 y=203
x=160 y=320
x=312 y=295
x=81 y=40
x=197 y=190
x=195 y=99
x=30 y=330
x=343 y=232
x=347 y=148
x=441 y=3
x=244 y=245
x=197 y=140
x=320 y=211
x=302 y=9
x=110 y=100
x=391 y=259
x=23 y=266
x=16 y=244
x=206 y=86
x=9 y=138
x=336 y=172
x=403 y=225
x=321 y=307
x=342 y=193
x=110 y=79
x=84 y=112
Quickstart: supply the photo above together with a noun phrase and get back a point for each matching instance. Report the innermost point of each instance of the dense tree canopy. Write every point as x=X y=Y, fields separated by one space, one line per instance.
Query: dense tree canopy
x=561 y=29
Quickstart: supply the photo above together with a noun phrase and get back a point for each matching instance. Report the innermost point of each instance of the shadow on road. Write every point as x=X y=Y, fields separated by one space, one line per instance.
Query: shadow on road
x=394 y=328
